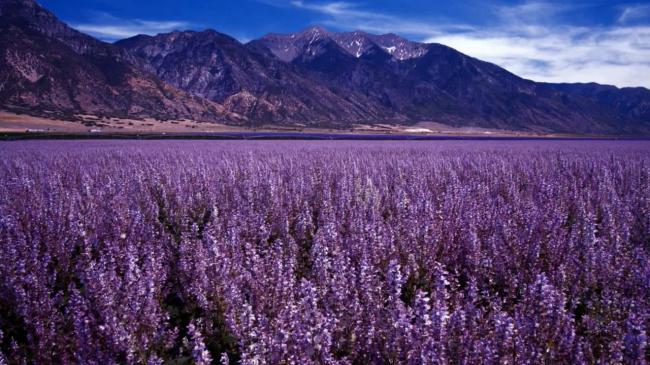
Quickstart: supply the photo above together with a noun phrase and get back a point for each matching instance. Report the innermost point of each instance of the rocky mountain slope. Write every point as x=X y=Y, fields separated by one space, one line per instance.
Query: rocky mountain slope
x=247 y=80
x=314 y=77
x=49 y=68
x=288 y=47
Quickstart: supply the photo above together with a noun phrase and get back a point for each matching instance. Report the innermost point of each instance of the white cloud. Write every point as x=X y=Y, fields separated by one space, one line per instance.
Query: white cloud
x=635 y=13
x=335 y=9
x=532 y=12
x=109 y=28
x=346 y=15
x=618 y=55
x=528 y=40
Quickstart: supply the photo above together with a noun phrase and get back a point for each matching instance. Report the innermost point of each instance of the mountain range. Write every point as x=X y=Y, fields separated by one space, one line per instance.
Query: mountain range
x=312 y=78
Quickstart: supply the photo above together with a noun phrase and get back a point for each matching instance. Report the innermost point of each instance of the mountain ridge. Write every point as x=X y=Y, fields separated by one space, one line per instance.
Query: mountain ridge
x=355 y=43
x=51 y=68
x=313 y=77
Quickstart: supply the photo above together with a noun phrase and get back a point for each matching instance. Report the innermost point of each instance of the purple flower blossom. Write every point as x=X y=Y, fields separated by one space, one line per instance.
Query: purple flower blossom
x=317 y=253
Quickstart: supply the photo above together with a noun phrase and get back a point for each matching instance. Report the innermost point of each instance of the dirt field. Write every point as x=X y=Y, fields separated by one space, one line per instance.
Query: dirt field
x=15 y=123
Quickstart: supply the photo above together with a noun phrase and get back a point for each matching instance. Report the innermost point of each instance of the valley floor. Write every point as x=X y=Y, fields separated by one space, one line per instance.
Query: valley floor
x=12 y=123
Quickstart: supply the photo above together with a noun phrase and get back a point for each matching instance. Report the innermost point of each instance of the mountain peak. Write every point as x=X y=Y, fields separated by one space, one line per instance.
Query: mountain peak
x=399 y=47
x=30 y=15
x=27 y=10
x=357 y=43
x=314 y=29
x=17 y=3
x=207 y=35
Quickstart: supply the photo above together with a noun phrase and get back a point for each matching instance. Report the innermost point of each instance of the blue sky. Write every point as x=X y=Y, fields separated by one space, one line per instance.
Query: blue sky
x=555 y=41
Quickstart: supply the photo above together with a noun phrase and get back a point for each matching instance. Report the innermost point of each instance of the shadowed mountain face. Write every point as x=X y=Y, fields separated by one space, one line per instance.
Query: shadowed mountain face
x=49 y=68
x=313 y=77
x=248 y=80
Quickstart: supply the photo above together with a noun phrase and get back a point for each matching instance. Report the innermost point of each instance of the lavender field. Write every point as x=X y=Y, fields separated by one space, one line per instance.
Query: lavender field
x=447 y=252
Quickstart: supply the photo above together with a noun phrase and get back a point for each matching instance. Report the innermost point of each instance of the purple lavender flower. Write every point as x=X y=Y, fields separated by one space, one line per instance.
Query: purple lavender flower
x=325 y=253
